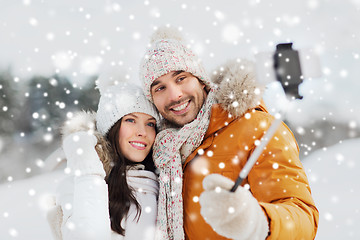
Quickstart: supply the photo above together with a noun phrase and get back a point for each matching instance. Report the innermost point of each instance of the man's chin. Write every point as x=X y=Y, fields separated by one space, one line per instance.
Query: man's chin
x=180 y=121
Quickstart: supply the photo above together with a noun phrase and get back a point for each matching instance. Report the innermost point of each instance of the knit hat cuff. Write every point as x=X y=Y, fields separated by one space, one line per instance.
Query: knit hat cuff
x=119 y=101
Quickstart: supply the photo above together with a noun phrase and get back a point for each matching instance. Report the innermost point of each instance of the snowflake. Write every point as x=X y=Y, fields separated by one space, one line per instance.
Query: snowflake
x=13 y=232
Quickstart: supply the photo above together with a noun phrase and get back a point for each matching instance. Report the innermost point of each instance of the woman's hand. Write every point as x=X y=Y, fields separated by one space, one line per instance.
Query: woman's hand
x=82 y=158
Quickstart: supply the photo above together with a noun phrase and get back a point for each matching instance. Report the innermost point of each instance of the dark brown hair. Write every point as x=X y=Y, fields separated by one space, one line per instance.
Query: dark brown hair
x=121 y=196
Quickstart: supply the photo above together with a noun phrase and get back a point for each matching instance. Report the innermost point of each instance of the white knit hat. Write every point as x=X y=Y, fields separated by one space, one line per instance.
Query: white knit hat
x=168 y=53
x=119 y=100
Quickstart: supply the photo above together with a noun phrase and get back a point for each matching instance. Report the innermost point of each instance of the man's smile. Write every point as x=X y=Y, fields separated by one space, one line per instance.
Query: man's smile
x=180 y=108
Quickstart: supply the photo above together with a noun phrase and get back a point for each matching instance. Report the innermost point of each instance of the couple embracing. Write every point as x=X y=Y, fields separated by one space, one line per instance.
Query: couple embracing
x=158 y=162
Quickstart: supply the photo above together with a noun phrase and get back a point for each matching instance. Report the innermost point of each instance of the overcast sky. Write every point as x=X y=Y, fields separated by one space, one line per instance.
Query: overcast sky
x=82 y=38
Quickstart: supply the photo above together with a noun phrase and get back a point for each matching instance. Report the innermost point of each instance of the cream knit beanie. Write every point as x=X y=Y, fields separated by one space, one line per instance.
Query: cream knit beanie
x=167 y=53
x=119 y=100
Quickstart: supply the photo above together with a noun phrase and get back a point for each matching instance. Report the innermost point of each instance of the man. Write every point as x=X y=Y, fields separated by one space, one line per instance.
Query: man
x=210 y=130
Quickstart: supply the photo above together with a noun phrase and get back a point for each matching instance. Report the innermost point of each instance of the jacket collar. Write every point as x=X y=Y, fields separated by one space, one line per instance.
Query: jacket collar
x=220 y=118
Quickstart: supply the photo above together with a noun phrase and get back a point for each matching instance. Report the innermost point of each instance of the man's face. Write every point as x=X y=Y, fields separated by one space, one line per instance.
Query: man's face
x=178 y=96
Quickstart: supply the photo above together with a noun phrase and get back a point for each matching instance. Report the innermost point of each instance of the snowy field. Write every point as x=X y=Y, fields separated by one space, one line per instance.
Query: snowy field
x=333 y=174
x=83 y=38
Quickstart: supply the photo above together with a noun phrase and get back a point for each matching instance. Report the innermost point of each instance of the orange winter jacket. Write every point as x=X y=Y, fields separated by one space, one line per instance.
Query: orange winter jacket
x=277 y=180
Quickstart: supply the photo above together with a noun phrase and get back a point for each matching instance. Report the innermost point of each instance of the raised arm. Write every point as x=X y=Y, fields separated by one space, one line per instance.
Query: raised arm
x=86 y=213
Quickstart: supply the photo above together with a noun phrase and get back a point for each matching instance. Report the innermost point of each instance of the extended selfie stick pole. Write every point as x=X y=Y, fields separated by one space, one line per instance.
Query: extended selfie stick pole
x=288 y=73
x=255 y=155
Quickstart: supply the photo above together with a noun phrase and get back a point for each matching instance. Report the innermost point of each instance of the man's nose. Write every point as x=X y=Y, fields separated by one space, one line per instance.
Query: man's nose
x=175 y=93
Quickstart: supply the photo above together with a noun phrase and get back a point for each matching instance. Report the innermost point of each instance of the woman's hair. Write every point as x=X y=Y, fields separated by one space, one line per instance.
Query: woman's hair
x=121 y=196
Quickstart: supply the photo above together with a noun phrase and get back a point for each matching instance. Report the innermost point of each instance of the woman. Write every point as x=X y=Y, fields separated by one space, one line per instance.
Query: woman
x=112 y=189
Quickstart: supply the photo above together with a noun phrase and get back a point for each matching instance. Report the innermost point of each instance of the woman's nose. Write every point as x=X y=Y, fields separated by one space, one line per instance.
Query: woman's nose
x=141 y=131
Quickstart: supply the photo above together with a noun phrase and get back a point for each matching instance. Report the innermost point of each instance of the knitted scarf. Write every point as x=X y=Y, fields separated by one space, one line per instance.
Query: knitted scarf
x=172 y=147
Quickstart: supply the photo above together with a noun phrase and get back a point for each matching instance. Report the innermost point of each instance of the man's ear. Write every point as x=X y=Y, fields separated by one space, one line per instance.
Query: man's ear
x=202 y=84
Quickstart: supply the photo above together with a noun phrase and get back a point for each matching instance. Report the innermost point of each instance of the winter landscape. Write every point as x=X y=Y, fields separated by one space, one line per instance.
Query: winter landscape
x=52 y=52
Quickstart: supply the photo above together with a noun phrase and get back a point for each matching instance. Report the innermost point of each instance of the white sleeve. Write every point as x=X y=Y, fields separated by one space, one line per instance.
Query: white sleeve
x=89 y=214
x=85 y=199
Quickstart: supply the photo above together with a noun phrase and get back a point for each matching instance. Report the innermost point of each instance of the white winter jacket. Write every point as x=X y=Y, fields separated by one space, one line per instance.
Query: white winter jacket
x=84 y=203
x=81 y=209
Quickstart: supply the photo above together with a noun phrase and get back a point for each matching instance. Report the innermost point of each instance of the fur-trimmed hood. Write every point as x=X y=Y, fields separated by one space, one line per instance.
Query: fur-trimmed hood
x=238 y=91
x=86 y=121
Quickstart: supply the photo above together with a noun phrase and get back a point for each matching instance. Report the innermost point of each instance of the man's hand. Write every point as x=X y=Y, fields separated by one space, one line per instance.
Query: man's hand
x=235 y=215
x=82 y=158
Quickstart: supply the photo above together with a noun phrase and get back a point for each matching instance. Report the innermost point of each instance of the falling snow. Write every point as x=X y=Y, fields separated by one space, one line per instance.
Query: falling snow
x=80 y=40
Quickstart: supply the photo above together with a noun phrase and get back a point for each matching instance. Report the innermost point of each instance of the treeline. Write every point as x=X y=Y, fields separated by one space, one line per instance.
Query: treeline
x=41 y=104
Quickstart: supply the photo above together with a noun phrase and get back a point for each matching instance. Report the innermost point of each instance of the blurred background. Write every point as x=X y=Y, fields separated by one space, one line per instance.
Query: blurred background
x=51 y=53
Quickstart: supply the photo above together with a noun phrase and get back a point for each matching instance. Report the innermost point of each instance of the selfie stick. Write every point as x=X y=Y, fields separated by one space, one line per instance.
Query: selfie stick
x=255 y=155
x=286 y=63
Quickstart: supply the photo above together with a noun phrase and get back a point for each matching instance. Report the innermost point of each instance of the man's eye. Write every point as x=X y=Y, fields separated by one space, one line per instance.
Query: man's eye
x=159 y=89
x=180 y=79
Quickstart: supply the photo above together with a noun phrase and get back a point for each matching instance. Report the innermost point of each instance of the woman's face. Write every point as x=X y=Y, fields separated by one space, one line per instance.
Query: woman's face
x=136 y=136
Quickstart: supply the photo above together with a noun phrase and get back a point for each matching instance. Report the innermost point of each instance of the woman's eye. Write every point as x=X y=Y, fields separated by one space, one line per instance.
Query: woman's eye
x=130 y=120
x=151 y=124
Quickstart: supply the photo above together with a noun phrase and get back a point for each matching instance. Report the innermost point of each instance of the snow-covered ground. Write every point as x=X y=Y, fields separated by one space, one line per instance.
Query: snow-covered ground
x=333 y=174
x=82 y=38
x=334 y=179
x=23 y=207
